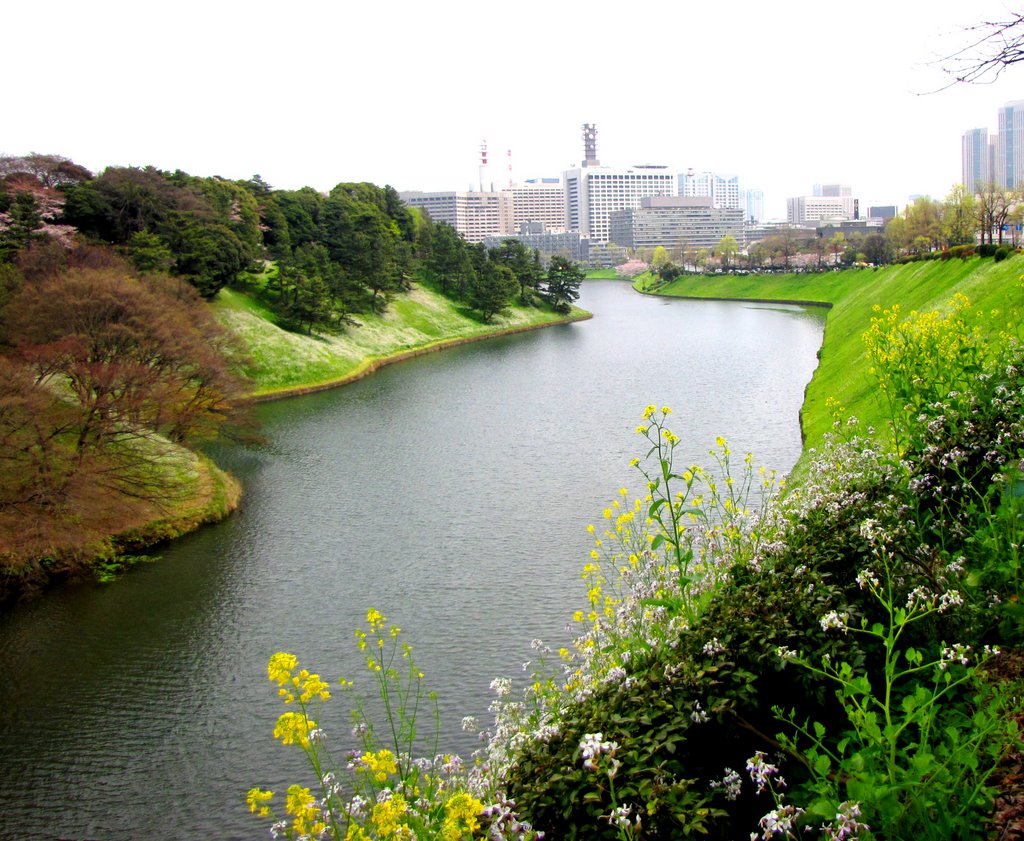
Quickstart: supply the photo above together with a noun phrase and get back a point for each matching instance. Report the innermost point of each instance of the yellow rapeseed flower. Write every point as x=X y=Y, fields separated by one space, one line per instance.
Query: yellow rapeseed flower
x=461 y=817
x=313 y=687
x=379 y=764
x=388 y=816
x=258 y=801
x=279 y=667
x=308 y=818
x=293 y=728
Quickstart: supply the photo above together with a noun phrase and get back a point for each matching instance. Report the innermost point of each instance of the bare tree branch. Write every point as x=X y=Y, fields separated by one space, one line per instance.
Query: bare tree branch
x=994 y=46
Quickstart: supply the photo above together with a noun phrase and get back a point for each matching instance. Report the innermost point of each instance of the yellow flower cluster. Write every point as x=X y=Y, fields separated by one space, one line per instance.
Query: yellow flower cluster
x=379 y=764
x=293 y=729
x=376 y=620
x=308 y=819
x=461 y=817
x=258 y=801
x=919 y=347
x=280 y=670
x=389 y=818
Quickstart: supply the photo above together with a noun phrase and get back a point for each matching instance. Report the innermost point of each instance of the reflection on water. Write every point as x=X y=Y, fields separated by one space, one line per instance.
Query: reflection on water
x=451 y=492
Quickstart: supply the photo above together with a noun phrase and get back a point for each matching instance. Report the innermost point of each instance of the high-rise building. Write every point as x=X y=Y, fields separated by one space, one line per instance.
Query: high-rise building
x=676 y=222
x=977 y=164
x=474 y=215
x=752 y=202
x=723 y=190
x=540 y=200
x=803 y=209
x=1009 y=163
x=593 y=191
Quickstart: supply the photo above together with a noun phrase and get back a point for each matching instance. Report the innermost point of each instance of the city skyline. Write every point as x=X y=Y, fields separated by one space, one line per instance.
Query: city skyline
x=316 y=93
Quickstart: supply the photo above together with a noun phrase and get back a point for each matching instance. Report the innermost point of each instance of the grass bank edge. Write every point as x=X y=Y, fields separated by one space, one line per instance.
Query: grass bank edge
x=316 y=362
x=209 y=495
x=847 y=298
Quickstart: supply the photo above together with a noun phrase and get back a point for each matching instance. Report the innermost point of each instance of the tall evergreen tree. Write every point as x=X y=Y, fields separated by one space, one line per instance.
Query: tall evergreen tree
x=563 y=283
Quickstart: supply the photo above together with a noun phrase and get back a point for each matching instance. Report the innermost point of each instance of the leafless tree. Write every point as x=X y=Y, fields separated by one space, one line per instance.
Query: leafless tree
x=993 y=46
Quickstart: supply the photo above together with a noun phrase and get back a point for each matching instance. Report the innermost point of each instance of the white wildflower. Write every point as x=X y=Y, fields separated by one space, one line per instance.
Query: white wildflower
x=833 y=619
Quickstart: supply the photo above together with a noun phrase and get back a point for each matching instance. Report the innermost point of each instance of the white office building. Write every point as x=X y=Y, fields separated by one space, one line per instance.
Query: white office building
x=474 y=215
x=593 y=192
x=801 y=210
x=540 y=200
x=723 y=190
x=677 y=223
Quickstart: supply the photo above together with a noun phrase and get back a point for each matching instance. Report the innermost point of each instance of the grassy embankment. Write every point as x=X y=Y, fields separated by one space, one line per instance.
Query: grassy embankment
x=851 y=294
x=604 y=274
x=103 y=532
x=284 y=363
x=280 y=363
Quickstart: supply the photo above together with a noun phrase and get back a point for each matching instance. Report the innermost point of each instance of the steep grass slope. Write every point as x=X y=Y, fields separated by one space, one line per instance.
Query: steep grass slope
x=283 y=363
x=842 y=372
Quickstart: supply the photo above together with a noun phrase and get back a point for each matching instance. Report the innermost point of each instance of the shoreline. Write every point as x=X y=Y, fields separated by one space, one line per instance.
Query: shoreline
x=101 y=555
x=373 y=364
x=217 y=496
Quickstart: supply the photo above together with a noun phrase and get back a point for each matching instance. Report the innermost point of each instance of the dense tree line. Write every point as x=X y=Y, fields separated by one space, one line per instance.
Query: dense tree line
x=332 y=256
x=109 y=353
x=489 y=279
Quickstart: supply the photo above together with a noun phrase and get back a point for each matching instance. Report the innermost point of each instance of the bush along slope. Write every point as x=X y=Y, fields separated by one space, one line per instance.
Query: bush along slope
x=834 y=677
x=754 y=660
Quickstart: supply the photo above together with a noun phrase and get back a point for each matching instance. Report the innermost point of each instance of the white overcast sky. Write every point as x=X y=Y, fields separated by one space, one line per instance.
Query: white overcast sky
x=783 y=94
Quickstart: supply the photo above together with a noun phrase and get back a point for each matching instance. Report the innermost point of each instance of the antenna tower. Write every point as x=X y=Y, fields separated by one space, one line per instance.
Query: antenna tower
x=590 y=145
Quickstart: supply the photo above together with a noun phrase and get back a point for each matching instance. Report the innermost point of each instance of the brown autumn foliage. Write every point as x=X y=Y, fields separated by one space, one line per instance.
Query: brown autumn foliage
x=100 y=370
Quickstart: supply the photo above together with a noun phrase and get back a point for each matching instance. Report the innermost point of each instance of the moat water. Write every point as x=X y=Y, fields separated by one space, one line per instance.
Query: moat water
x=451 y=492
